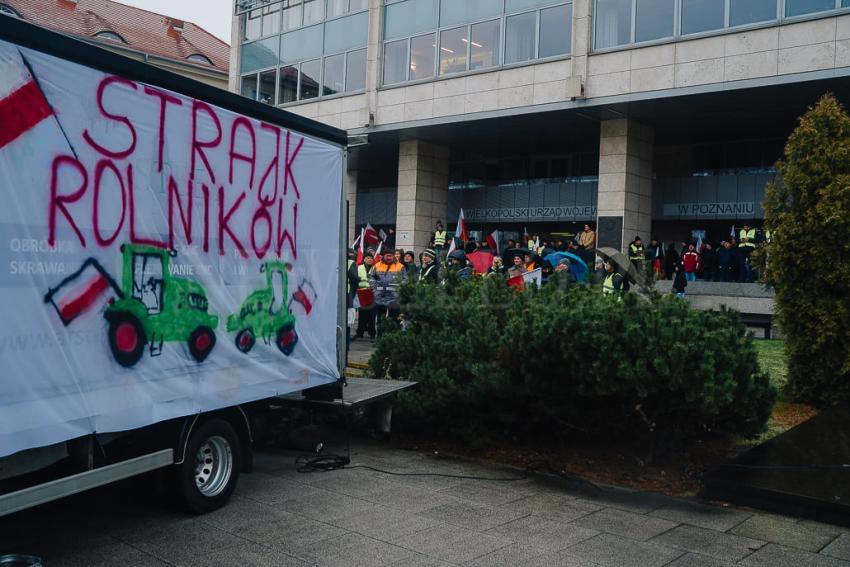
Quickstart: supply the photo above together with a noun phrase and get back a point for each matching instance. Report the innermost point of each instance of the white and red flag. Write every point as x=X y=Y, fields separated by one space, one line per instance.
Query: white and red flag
x=534 y=277
x=305 y=296
x=22 y=103
x=359 y=260
x=80 y=291
x=370 y=235
x=493 y=241
x=461 y=234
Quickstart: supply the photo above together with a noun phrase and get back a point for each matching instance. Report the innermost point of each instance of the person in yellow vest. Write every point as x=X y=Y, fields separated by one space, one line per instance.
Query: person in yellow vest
x=366 y=313
x=637 y=254
x=613 y=282
x=746 y=245
x=441 y=237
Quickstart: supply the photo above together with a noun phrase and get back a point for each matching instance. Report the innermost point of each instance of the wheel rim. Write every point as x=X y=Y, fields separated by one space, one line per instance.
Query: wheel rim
x=246 y=339
x=287 y=338
x=126 y=337
x=202 y=342
x=213 y=466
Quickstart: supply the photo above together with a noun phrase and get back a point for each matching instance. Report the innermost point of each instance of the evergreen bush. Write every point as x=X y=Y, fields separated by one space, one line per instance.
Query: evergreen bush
x=495 y=363
x=808 y=258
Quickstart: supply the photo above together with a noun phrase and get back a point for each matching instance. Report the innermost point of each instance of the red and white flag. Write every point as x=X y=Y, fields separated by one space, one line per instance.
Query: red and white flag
x=493 y=241
x=370 y=235
x=80 y=291
x=534 y=277
x=359 y=260
x=461 y=234
x=305 y=296
x=22 y=103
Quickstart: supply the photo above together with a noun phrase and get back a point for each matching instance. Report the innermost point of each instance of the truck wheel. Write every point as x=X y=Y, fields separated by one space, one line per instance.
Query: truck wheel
x=245 y=340
x=126 y=339
x=287 y=338
x=201 y=343
x=211 y=465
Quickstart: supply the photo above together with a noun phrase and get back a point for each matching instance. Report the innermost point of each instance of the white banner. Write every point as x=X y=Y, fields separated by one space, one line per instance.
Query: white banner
x=160 y=256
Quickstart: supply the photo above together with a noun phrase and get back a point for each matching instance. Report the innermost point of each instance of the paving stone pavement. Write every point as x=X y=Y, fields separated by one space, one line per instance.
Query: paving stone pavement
x=361 y=517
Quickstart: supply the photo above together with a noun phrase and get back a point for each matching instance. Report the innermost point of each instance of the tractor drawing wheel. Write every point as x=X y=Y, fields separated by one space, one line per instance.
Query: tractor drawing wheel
x=201 y=343
x=126 y=339
x=287 y=338
x=245 y=340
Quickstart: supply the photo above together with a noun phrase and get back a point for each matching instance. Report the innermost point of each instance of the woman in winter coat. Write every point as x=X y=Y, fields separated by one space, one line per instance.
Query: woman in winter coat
x=671 y=258
x=680 y=282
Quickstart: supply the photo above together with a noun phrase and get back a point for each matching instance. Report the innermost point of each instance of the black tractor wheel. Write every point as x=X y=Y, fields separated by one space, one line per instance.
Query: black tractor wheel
x=201 y=343
x=126 y=339
x=245 y=340
x=287 y=338
x=207 y=477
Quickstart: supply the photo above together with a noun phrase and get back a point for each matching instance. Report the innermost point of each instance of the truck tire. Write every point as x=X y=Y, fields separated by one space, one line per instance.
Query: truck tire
x=211 y=465
x=201 y=343
x=126 y=339
x=287 y=338
x=245 y=340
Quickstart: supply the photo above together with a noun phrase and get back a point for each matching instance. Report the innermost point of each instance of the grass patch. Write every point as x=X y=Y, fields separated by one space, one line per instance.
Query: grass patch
x=771 y=355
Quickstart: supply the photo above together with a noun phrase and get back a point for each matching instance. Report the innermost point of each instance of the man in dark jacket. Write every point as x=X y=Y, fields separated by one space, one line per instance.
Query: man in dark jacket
x=655 y=257
x=458 y=265
x=709 y=263
x=725 y=261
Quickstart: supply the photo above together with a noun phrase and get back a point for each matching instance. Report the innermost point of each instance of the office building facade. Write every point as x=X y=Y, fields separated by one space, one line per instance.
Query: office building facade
x=641 y=117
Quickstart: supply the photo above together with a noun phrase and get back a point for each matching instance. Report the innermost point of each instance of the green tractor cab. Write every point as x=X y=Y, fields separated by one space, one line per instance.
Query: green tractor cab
x=265 y=313
x=157 y=307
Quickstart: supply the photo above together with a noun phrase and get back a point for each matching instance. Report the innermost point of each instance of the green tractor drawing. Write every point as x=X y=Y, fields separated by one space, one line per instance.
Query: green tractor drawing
x=156 y=307
x=265 y=313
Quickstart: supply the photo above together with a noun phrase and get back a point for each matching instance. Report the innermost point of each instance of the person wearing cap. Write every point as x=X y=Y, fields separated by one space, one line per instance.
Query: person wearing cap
x=440 y=239
x=613 y=282
x=429 y=271
x=386 y=278
x=637 y=254
x=458 y=265
x=366 y=313
x=563 y=276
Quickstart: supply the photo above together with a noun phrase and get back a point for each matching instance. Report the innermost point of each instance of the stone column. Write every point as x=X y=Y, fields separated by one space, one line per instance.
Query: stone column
x=423 y=183
x=373 y=56
x=351 y=196
x=625 y=182
x=233 y=83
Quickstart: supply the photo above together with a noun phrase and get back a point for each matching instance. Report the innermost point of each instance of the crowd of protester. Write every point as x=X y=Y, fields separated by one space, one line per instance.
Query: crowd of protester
x=374 y=283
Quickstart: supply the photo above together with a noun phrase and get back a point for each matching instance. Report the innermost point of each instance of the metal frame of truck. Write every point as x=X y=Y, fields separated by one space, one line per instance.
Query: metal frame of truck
x=173 y=446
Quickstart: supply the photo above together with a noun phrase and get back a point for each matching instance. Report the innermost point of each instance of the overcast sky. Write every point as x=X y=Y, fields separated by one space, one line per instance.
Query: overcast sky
x=212 y=15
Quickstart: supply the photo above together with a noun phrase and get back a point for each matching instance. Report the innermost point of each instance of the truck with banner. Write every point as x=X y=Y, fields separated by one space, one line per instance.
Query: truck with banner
x=171 y=260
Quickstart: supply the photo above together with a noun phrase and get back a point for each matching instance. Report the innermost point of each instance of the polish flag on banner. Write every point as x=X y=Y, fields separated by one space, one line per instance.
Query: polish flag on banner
x=80 y=291
x=305 y=296
x=22 y=103
x=493 y=241
x=370 y=235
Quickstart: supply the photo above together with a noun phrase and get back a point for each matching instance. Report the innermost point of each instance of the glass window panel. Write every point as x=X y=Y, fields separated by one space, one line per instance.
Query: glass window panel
x=336 y=8
x=453 y=45
x=407 y=18
x=314 y=12
x=301 y=44
x=486 y=44
x=614 y=22
x=702 y=15
x=517 y=5
x=271 y=21
x=346 y=33
x=556 y=29
x=288 y=91
x=654 y=19
x=292 y=17
x=357 y=5
x=751 y=11
x=845 y=3
x=253 y=24
x=457 y=12
x=333 y=81
x=800 y=7
x=310 y=71
x=249 y=86
x=519 y=37
x=267 y=84
x=355 y=71
x=395 y=62
x=423 y=51
x=260 y=54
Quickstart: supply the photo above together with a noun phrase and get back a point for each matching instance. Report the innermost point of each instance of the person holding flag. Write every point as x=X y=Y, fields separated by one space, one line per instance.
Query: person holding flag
x=461 y=234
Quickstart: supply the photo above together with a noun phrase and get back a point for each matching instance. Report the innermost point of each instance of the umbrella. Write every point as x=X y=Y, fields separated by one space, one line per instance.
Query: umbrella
x=481 y=260
x=622 y=264
x=509 y=254
x=577 y=265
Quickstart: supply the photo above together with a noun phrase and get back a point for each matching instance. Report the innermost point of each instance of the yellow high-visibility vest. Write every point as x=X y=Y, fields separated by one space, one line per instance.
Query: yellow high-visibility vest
x=750 y=235
x=608 y=284
x=440 y=238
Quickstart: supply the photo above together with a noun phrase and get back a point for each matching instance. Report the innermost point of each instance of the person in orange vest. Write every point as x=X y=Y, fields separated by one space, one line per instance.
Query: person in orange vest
x=386 y=278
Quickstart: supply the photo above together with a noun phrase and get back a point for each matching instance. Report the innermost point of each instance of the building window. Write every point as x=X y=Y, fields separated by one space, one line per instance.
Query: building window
x=309 y=79
x=621 y=22
x=198 y=58
x=9 y=11
x=355 y=70
x=262 y=22
x=422 y=37
x=110 y=35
